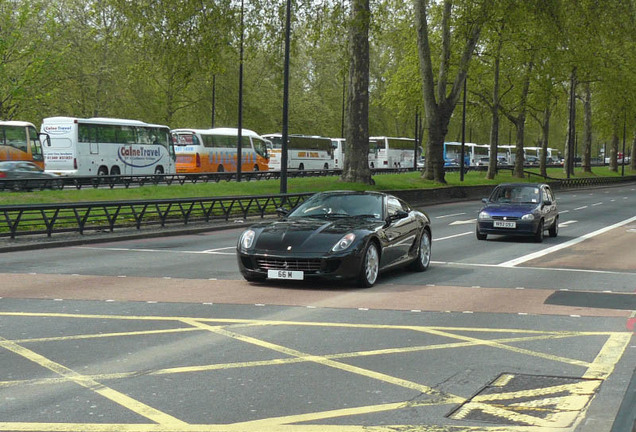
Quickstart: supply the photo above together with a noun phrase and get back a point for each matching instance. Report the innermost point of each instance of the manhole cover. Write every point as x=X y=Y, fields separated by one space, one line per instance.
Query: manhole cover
x=529 y=400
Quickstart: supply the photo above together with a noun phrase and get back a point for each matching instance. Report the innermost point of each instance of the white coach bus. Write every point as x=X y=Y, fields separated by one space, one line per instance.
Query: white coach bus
x=106 y=146
x=304 y=152
x=390 y=152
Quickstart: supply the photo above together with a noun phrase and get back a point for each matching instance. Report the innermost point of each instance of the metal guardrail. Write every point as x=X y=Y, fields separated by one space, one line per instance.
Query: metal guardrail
x=19 y=220
x=127 y=181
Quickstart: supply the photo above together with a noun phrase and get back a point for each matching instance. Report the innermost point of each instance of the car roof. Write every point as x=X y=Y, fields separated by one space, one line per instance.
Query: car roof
x=522 y=184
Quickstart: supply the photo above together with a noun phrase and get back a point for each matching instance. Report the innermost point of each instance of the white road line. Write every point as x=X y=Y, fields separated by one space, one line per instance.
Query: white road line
x=581 y=208
x=453 y=236
x=209 y=251
x=463 y=222
x=449 y=215
x=567 y=244
x=566 y=223
x=559 y=269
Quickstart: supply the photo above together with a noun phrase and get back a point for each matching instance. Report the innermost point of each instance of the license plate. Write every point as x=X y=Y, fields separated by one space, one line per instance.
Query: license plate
x=504 y=224
x=285 y=274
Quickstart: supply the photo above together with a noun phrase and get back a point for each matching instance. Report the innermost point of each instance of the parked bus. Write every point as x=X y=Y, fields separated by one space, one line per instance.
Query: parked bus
x=510 y=153
x=216 y=150
x=391 y=152
x=106 y=146
x=338 y=145
x=304 y=152
x=20 y=140
x=473 y=153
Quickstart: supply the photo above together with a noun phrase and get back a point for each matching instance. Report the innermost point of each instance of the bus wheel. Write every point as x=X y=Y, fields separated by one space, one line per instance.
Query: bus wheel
x=115 y=170
x=326 y=166
x=301 y=167
x=255 y=167
x=159 y=170
x=220 y=169
x=102 y=171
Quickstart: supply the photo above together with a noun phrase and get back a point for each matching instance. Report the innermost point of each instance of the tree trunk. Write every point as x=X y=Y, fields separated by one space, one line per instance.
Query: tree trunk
x=438 y=103
x=356 y=165
x=434 y=166
x=545 y=137
x=633 y=153
x=494 y=127
x=520 y=124
x=587 y=128
x=568 y=165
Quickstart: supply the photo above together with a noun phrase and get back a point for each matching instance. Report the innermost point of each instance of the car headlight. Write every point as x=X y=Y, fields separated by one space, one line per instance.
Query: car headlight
x=527 y=217
x=483 y=215
x=247 y=239
x=344 y=242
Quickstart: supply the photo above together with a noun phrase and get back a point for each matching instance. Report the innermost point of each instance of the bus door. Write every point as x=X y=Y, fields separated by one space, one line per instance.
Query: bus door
x=35 y=147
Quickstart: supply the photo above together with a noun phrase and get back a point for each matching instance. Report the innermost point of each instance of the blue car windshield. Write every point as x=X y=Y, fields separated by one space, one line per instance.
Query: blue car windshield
x=340 y=205
x=516 y=194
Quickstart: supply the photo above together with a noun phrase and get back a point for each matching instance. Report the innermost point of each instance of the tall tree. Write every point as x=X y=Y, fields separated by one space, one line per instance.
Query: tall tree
x=356 y=168
x=439 y=102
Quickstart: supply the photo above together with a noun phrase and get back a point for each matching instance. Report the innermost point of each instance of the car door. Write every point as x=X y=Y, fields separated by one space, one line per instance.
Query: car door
x=549 y=211
x=400 y=233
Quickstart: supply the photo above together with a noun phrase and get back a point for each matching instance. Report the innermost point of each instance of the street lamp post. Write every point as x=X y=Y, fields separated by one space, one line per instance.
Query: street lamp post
x=239 y=147
x=462 y=161
x=283 y=150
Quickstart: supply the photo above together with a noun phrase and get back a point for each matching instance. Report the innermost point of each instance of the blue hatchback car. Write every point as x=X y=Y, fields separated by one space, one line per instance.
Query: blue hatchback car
x=519 y=209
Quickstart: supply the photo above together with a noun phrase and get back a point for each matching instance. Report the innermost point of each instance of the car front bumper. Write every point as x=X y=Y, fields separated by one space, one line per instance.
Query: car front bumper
x=522 y=228
x=312 y=266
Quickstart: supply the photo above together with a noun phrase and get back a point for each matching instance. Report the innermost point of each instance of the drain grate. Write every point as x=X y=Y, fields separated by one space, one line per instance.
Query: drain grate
x=529 y=400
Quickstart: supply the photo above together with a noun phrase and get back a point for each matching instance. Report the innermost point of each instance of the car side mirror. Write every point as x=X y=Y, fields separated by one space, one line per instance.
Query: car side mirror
x=484 y=200
x=400 y=214
x=282 y=211
x=547 y=202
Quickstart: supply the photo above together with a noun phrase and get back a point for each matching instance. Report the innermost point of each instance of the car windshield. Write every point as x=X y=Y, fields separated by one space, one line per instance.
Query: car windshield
x=340 y=205
x=516 y=194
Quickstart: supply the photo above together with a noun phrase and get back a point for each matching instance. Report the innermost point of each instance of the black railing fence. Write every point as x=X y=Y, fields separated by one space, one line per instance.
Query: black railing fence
x=81 y=217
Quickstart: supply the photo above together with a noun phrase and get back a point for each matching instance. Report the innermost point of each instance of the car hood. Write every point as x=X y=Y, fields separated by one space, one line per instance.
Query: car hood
x=309 y=235
x=510 y=209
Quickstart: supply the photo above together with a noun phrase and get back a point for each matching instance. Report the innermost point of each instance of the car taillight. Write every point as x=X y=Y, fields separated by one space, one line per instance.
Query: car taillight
x=198 y=161
x=74 y=163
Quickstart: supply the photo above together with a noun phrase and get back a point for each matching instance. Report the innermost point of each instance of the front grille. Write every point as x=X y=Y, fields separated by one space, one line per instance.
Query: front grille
x=306 y=265
x=510 y=218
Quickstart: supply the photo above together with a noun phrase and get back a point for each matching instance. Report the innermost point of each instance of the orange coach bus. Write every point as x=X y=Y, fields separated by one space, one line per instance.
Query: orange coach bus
x=215 y=150
x=20 y=140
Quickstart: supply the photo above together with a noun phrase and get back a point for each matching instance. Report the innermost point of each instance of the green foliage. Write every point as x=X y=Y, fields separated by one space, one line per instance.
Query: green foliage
x=156 y=60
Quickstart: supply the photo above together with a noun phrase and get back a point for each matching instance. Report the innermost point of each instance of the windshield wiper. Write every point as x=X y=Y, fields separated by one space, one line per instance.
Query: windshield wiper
x=367 y=216
x=337 y=215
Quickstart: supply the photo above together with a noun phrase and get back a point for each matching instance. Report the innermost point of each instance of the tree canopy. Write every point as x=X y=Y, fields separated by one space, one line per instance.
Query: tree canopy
x=171 y=62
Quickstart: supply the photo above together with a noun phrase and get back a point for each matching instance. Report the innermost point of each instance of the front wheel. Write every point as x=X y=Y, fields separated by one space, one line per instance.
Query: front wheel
x=479 y=235
x=423 y=253
x=538 y=236
x=370 y=266
x=554 y=229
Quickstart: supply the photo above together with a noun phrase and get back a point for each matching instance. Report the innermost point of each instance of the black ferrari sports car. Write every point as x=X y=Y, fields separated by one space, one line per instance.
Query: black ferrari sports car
x=338 y=235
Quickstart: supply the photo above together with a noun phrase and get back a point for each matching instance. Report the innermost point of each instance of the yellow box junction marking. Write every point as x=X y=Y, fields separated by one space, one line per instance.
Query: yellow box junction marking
x=575 y=401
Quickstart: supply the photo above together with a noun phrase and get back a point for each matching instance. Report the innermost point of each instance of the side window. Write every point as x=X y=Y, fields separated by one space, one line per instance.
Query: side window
x=405 y=206
x=547 y=194
x=393 y=206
